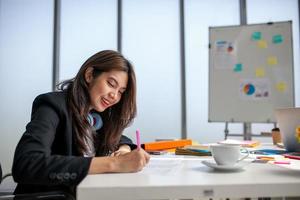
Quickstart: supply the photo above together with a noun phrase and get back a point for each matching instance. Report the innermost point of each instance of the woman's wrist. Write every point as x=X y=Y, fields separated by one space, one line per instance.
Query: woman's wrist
x=108 y=164
x=103 y=165
x=124 y=147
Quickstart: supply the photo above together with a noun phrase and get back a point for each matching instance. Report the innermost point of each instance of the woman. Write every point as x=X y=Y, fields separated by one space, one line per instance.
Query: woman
x=78 y=130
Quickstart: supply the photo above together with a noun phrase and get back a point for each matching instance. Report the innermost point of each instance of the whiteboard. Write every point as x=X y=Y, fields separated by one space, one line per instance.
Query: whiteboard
x=250 y=72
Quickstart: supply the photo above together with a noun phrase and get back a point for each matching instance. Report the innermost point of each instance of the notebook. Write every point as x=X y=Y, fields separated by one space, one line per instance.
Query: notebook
x=289 y=124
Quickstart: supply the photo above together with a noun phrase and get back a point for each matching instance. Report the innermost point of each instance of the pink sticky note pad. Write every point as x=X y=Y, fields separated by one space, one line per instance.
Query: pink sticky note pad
x=282 y=162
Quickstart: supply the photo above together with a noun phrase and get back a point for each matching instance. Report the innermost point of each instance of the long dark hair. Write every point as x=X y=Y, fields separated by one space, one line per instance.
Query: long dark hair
x=116 y=118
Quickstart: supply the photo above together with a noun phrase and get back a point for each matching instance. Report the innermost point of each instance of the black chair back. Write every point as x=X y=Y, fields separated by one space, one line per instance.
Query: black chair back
x=0 y=173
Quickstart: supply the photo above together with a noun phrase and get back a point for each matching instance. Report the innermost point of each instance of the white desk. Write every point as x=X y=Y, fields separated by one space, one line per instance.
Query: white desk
x=189 y=178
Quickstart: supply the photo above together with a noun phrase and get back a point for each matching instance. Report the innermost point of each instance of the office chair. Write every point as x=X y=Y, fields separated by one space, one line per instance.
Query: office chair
x=54 y=195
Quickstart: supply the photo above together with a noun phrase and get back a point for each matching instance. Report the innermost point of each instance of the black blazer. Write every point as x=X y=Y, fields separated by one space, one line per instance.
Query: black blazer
x=46 y=158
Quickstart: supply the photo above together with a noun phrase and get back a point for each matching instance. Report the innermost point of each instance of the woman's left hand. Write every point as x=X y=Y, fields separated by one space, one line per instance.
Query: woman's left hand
x=123 y=149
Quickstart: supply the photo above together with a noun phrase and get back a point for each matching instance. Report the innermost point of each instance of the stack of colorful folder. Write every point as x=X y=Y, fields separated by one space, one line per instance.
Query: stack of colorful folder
x=194 y=150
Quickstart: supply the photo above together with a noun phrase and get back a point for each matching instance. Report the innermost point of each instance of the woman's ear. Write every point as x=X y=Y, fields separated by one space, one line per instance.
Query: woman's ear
x=88 y=75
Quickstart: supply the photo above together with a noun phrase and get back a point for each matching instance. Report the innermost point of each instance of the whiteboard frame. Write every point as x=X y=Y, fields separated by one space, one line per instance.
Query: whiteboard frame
x=212 y=116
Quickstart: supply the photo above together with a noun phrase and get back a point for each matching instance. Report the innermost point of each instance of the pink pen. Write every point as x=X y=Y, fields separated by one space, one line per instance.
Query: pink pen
x=138 y=141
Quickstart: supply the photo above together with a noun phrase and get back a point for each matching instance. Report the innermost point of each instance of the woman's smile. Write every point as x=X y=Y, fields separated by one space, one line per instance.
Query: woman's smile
x=105 y=102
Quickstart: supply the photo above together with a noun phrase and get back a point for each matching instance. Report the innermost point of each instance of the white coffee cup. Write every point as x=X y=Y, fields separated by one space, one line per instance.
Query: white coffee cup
x=228 y=154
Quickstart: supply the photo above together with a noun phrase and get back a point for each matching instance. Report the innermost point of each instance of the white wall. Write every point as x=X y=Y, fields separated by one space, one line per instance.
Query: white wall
x=151 y=42
x=213 y=13
x=25 y=66
x=86 y=28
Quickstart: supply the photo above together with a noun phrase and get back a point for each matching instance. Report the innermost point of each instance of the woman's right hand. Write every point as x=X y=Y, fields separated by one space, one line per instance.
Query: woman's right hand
x=133 y=161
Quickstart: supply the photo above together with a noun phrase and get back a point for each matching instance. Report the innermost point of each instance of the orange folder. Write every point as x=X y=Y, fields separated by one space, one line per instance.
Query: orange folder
x=163 y=145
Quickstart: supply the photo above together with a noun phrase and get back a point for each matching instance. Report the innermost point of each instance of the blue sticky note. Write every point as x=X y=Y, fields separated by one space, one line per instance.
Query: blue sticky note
x=268 y=151
x=277 y=39
x=256 y=36
x=238 y=67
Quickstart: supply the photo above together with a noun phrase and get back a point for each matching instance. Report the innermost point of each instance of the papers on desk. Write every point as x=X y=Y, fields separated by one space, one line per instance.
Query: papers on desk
x=169 y=164
x=275 y=157
x=163 y=166
x=292 y=164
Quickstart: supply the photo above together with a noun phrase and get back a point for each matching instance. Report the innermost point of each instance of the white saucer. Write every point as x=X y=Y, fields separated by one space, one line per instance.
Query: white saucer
x=212 y=164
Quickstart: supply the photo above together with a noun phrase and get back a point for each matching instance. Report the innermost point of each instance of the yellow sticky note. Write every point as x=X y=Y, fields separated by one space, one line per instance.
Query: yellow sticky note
x=260 y=72
x=272 y=60
x=298 y=134
x=298 y=130
x=262 y=44
x=281 y=86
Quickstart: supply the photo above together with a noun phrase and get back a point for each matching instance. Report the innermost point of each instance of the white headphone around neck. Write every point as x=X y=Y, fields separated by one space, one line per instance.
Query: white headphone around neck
x=95 y=120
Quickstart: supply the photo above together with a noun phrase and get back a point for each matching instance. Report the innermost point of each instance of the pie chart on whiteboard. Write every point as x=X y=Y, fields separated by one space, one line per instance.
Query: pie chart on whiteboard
x=249 y=89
